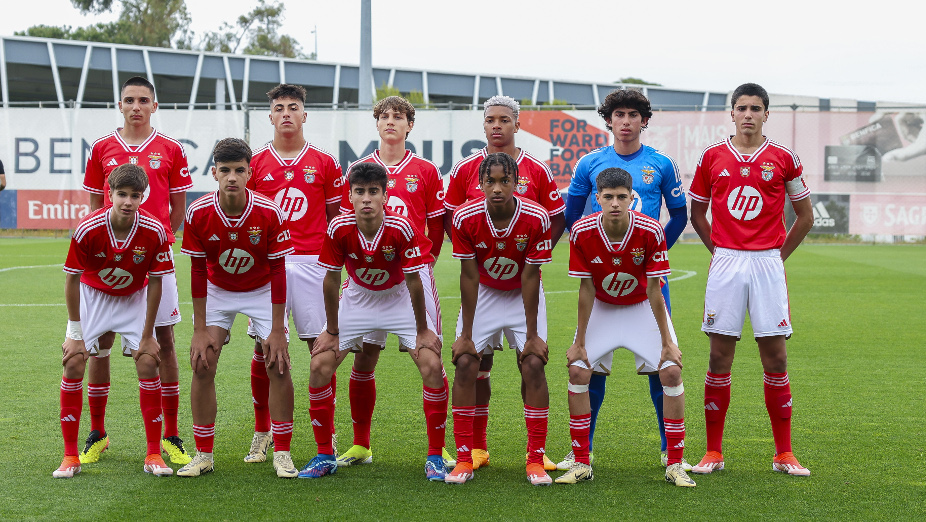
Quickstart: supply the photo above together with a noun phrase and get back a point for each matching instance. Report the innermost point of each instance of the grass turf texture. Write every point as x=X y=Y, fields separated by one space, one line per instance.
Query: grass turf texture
x=856 y=377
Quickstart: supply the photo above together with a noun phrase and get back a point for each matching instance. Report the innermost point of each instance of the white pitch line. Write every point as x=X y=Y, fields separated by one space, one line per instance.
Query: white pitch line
x=686 y=275
x=24 y=267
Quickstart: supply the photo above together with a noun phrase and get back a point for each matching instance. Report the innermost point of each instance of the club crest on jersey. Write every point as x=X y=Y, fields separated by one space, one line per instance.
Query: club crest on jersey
x=523 y=182
x=768 y=170
x=117 y=257
x=139 y=254
x=638 y=255
x=744 y=171
x=389 y=252
x=254 y=235
x=616 y=261
x=648 y=174
x=521 y=242
x=411 y=183
x=390 y=184
x=154 y=160
x=709 y=321
x=133 y=160
x=288 y=174
x=309 y=174
x=500 y=245
x=233 y=236
x=368 y=258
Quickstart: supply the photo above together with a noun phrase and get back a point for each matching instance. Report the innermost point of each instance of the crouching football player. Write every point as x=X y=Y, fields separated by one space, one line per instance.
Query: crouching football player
x=238 y=241
x=619 y=255
x=117 y=257
x=382 y=254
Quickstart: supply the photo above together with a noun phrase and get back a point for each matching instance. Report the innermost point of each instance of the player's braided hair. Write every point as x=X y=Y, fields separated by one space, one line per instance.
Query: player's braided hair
x=614 y=177
x=507 y=163
x=368 y=174
x=287 y=90
x=625 y=99
x=230 y=150
x=502 y=101
x=128 y=176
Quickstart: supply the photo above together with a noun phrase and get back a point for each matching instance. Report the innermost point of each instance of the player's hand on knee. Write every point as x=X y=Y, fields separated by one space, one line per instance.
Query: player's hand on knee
x=577 y=353
x=148 y=346
x=325 y=342
x=670 y=353
x=200 y=345
x=463 y=347
x=428 y=340
x=276 y=352
x=535 y=346
x=73 y=348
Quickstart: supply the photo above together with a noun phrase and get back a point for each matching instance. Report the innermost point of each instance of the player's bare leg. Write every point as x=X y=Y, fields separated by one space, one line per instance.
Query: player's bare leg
x=774 y=355
x=362 y=392
x=481 y=416
x=716 y=400
x=98 y=371
x=464 y=405
x=536 y=413
x=673 y=404
x=170 y=394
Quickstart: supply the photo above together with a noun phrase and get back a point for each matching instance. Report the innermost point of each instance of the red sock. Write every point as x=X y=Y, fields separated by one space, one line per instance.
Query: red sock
x=97 y=395
x=334 y=399
x=321 y=410
x=72 y=400
x=435 y=418
x=282 y=434
x=149 y=397
x=204 y=435
x=362 y=392
x=536 y=419
x=675 y=439
x=170 y=403
x=716 y=403
x=578 y=429
x=260 y=391
x=480 y=427
x=463 y=432
x=778 y=403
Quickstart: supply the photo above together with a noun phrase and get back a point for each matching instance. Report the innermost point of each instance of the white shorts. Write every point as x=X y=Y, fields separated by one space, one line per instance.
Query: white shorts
x=431 y=304
x=364 y=311
x=746 y=279
x=223 y=305
x=169 y=307
x=633 y=327
x=101 y=313
x=502 y=312
x=304 y=297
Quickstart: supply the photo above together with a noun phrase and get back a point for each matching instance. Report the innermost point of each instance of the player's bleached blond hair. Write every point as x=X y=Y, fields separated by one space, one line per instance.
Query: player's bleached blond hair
x=503 y=101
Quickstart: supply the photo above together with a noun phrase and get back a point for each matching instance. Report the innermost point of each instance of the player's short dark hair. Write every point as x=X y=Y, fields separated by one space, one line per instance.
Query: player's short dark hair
x=128 y=176
x=139 y=81
x=229 y=150
x=749 y=89
x=625 y=99
x=287 y=90
x=508 y=164
x=613 y=178
x=368 y=174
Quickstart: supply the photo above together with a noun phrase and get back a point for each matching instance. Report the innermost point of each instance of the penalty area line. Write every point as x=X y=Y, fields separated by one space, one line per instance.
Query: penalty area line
x=25 y=267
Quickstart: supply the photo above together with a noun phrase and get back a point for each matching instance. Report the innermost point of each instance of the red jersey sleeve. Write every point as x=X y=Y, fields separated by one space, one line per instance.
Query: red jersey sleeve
x=334 y=182
x=541 y=244
x=179 y=177
x=192 y=243
x=700 y=189
x=463 y=247
x=93 y=174
x=411 y=256
x=548 y=194
x=346 y=205
x=578 y=264
x=434 y=194
x=657 y=262
x=456 y=190
x=74 y=263
x=278 y=244
x=794 y=181
x=163 y=261
x=332 y=254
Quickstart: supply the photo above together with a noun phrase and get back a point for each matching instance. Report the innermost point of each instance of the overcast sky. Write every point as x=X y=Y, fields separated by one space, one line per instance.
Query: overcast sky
x=873 y=52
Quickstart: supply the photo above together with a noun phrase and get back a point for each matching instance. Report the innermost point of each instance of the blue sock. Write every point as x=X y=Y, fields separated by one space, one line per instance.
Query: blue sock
x=596 y=396
x=655 y=392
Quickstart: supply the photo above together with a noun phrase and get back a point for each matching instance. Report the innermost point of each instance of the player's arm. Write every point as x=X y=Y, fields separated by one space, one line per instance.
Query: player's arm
x=557 y=226
x=670 y=351
x=530 y=294
x=177 y=209
x=328 y=339
x=148 y=344
x=201 y=341
x=73 y=342
x=426 y=339
x=332 y=210
x=700 y=223
x=678 y=220
x=802 y=225
x=577 y=196
x=96 y=201
x=276 y=347
x=577 y=352
x=436 y=227
x=469 y=294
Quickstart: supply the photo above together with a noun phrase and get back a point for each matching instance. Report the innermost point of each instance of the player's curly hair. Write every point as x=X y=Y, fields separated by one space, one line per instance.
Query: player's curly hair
x=287 y=90
x=398 y=104
x=749 y=89
x=625 y=99
x=502 y=101
x=614 y=177
x=368 y=174
x=138 y=81
x=507 y=163
x=231 y=149
x=128 y=176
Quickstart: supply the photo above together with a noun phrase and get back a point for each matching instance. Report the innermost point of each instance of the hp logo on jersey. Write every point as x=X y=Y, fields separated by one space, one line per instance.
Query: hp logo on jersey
x=372 y=276
x=292 y=202
x=117 y=278
x=236 y=261
x=501 y=268
x=619 y=284
x=744 y=203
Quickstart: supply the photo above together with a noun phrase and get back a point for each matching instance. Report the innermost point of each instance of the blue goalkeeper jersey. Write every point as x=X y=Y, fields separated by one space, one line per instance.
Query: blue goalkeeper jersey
x=655 y=176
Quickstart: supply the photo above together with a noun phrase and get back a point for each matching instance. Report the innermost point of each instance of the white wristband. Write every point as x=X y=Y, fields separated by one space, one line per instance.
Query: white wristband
x=74 y=331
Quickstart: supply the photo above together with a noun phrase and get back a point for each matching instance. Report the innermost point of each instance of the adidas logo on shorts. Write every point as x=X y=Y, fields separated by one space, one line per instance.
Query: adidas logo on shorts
x=783 y=323
x=175 y=313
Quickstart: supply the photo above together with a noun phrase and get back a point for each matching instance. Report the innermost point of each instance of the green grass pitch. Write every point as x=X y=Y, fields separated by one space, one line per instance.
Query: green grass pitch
x=855 y=366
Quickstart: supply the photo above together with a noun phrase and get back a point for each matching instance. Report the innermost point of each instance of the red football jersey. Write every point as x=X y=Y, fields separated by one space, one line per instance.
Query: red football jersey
x=119 y=267
x=747 y=193
x=301 y=187
x=416 y=191
x=501 y=254
x=237 y=249
x=163 y=159
x=535 y=182
x=375 y=265
x=619 y=270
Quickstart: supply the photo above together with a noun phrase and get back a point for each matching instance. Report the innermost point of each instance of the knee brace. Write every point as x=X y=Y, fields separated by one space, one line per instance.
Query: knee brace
x=577 y=388
x=674 y=391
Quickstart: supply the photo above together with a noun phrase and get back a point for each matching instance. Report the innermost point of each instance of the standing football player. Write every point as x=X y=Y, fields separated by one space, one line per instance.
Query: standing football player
x=306 y=183
x=744 y=180
x=655 y=178
x=165 y=163
x=534 y=183
x=237 y=241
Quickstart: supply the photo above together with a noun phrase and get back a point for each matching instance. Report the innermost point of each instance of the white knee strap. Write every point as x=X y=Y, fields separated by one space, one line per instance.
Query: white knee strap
x=577 y=388
x=482 y=375
x=674 y=391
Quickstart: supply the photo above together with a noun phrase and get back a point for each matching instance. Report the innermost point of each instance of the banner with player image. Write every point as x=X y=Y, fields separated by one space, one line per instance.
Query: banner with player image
x=867 y=171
